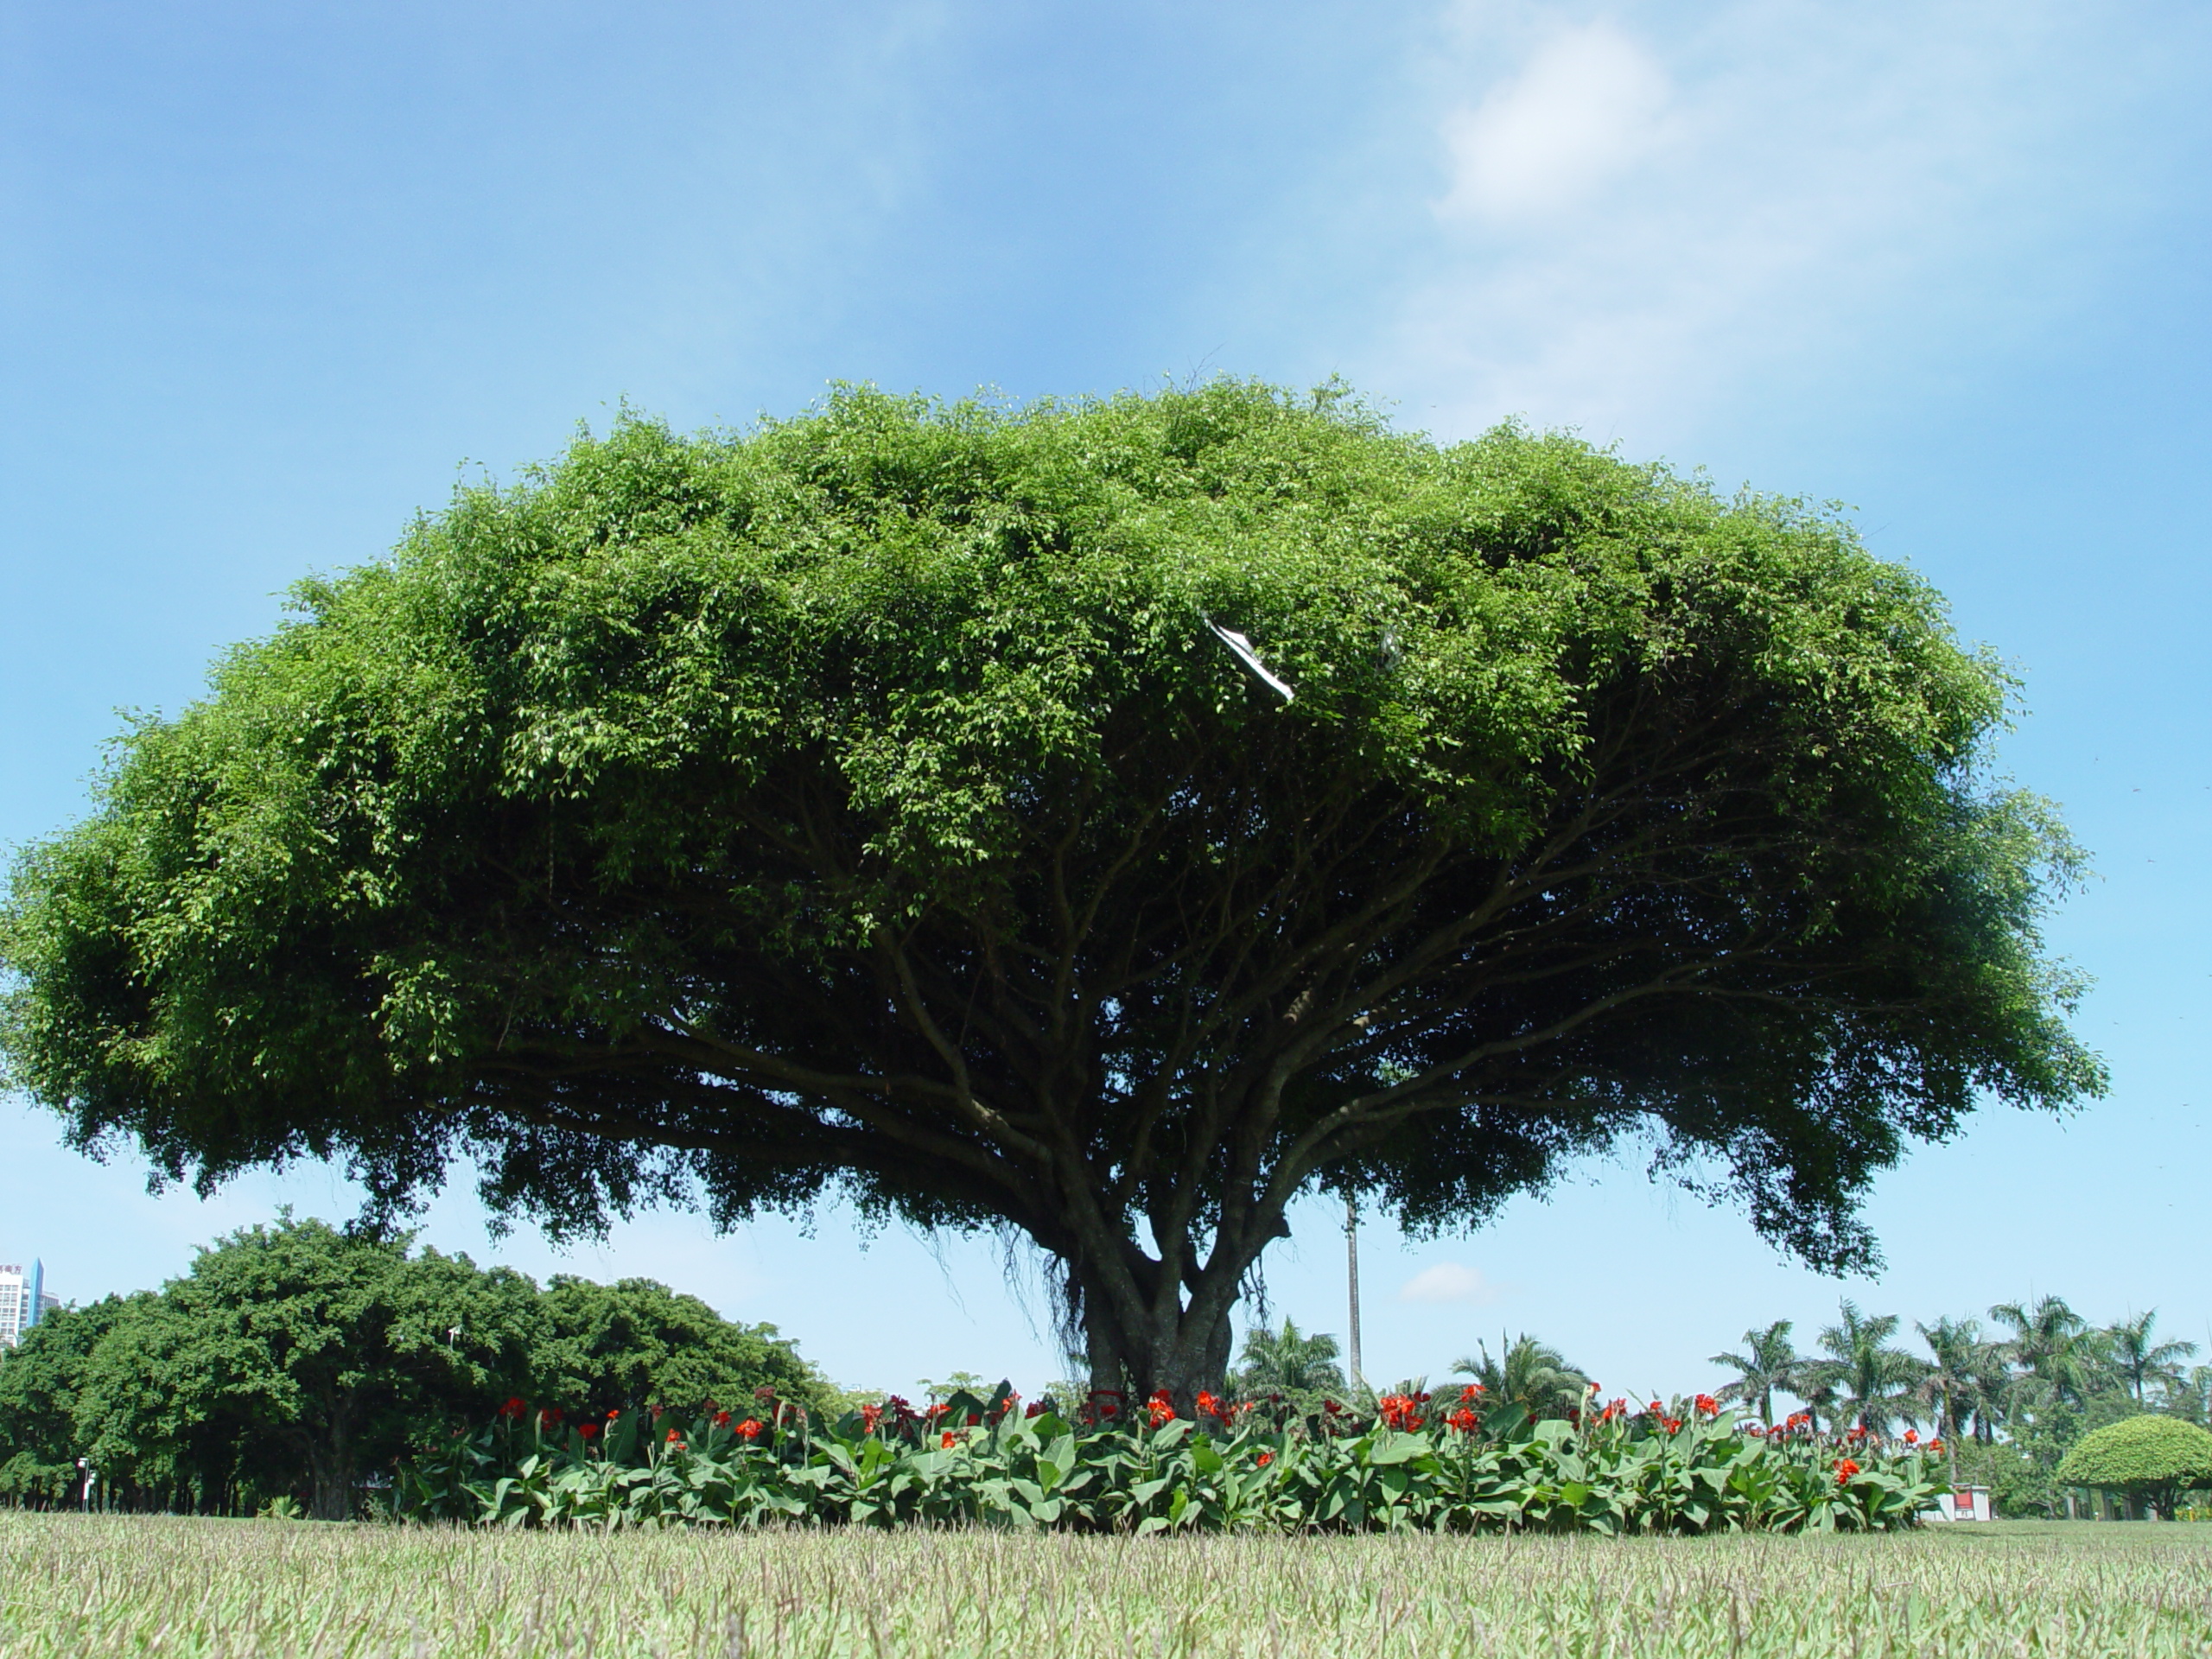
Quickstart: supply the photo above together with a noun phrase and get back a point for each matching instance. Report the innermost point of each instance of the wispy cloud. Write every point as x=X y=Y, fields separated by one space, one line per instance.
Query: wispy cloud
x=1449 y=1281
x=1640 y=212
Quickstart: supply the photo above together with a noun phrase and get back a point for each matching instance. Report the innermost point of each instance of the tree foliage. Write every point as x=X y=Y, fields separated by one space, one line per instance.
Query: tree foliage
x=295 y=1360
x=865 y=800
x=1526 y=1373
x=2151 y=1457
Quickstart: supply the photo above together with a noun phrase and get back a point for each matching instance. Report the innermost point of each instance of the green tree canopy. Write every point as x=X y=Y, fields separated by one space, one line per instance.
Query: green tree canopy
x=299 y=1357
x=2153 y=1458
x=636 y=1343
x=868 y=800
x=40 y=1379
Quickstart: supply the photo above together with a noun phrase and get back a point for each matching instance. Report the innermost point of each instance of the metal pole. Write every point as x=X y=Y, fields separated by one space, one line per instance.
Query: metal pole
x=1351 y=1275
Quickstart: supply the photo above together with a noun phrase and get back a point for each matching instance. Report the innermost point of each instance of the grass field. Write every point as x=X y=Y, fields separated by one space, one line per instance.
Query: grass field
x=97 y=1584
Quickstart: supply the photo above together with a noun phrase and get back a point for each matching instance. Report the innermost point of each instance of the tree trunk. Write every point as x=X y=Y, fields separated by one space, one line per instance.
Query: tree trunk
x=330 y=1467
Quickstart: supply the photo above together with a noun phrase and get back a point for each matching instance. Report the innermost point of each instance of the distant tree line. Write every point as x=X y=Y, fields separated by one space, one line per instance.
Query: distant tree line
x=295 y=1364
x=2009 y=1399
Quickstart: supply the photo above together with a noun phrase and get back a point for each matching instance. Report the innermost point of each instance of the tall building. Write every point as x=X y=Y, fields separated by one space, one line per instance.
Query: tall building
x=23 y=1299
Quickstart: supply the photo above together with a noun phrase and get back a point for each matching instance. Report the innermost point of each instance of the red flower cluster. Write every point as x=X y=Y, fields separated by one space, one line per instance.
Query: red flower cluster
x=722 y=1420
x=1464 y=1419
x=587 y=1429
x=750 y=1428
x=1034 y=1409
x=1101 y=1406
x=1616 y=1409
x=1266 y=1457
x=550 y=1417
x=1844 y=1469
x=514 y=1407
x=1912 y=1437
x=1161 y=1408
x=1401 y=1411
x=1706 y=1406
x=870 y=1416
x=1213 y=1406
x=947 y=1441
x=1470 y=1394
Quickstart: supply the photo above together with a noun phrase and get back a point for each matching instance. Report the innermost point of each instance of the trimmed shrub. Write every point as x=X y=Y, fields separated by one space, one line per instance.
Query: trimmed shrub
x=2151 y=1458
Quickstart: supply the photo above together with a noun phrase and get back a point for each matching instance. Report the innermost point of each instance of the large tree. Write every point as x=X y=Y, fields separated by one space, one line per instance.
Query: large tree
x=869 y=800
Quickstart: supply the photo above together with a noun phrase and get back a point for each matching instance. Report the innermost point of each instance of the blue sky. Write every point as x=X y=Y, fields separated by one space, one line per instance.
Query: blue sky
x=272 y=275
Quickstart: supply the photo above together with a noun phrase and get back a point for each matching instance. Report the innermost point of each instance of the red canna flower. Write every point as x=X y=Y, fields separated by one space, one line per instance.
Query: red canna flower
x=1266 y=1457
x=722 y=1420
x=1935 y=1445
x=1331 y=1408
x=1672 y=1425
x=587 y=1429
x=1706 y=1406
x=1844 y=1469
x=1464 y=1419
x=948 y=1440
x=513 y=1408
x=750 y=1428
x=1161 y=1408
x=612 y=1415
x=674 y=1445
x=1034 y=1409
x=1912 y=1437
x=1656 y=1409
x=870 y=1416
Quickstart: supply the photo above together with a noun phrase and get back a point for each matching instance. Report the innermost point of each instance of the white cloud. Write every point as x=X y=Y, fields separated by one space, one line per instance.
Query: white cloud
x=1448 y=1281
x=1588 y=109
x=1704 y=205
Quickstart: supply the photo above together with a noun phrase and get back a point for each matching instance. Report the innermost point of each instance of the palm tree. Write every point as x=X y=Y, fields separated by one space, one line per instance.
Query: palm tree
x=2140 y=1360
x=1769 y=1362
x=1951 y=1386
x=1874 y=1380
x=1289 y=1362
x=1528 y=1373
x=2053 y=1344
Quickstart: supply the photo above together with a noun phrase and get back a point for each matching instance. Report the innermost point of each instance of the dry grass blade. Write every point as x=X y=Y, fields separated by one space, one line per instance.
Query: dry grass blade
x=105 y=1584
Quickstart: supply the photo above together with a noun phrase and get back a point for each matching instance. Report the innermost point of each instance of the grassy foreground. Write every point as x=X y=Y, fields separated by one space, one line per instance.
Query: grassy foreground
x=76 y=1585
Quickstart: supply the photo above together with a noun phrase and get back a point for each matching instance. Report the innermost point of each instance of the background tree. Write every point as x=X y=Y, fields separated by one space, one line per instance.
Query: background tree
x=1769 y=1361
x=1526 y=1373
x=1301 y=1368
x=296 y=1357
x=637 y=1342
x=1873 y=1380
x=868 y=801
x=2140 y=1360
x=2066 y=1362
x=1950 y=1382
x=40 y=1379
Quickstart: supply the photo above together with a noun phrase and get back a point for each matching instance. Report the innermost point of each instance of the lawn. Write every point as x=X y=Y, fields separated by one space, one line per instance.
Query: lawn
x=98 y=1585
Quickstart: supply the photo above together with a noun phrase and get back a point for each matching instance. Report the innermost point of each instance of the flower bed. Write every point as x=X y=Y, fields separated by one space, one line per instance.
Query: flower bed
x=1415 y=1462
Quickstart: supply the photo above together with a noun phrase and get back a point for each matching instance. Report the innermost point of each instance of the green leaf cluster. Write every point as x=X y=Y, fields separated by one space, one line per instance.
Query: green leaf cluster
x=1000 y=1469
